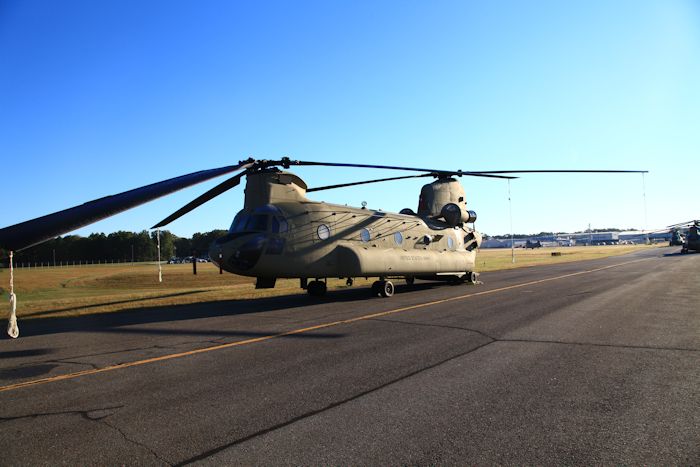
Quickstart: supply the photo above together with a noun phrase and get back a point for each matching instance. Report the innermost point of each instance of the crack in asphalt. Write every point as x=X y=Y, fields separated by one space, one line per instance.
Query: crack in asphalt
x=592 y=344
x=333 y=405
x=137 y=443
x=443 y=326
x=72 y=359
x=98 y=415
x=540 y=341
x=88 y=364
x=83 y=413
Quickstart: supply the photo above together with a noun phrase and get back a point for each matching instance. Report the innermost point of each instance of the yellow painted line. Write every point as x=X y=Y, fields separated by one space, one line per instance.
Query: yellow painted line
x=77 y=374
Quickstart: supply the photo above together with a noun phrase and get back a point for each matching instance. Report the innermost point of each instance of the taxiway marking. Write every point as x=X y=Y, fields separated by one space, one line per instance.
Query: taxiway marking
x=77 y=374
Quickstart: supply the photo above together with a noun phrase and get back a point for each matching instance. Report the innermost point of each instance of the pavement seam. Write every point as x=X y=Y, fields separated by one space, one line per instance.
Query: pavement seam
x=331 y=406
x=294 y=332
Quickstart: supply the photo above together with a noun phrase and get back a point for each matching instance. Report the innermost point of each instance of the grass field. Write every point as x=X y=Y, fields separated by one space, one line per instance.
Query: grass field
x=79 y=290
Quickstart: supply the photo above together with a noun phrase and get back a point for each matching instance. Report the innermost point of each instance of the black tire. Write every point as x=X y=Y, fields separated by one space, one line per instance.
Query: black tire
x=316 y=288
x=387 y=289
x=410 y=280
x=376 y=288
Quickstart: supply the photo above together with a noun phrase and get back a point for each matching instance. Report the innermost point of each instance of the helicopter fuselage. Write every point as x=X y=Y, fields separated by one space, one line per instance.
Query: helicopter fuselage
x=282 y=234
x=318 y=240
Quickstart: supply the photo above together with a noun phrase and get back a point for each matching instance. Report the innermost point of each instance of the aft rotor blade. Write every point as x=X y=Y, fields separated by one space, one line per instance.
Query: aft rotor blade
x=25 y=234
x=195 y=203
x=560 y=171
x=392 y=167
x=343 y=185
x=684 y=224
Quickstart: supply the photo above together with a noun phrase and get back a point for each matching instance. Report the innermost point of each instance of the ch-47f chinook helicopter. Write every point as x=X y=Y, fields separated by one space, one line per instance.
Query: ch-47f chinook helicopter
x=689 y=241
x=280 y=233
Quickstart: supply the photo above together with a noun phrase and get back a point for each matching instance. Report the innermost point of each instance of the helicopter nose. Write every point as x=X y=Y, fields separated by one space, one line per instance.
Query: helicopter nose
x=239 y=254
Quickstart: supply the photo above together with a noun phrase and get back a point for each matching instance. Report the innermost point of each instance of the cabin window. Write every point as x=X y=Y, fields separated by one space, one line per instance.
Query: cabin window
x=450 y=243
x=323 y=232
x=365 y=236
x=398 y=238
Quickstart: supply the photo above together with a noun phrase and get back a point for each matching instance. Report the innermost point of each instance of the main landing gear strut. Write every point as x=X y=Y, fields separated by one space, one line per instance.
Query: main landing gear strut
x=383 y=287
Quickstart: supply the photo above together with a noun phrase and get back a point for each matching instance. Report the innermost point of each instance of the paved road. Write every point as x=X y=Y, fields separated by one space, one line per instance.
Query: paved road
x=583 y=363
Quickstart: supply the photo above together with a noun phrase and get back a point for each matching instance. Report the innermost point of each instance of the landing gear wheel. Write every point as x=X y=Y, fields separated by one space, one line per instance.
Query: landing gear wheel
x=472 y=277
x=387 y=289
x=382 y=288
x=316 y=288
x=410 y=280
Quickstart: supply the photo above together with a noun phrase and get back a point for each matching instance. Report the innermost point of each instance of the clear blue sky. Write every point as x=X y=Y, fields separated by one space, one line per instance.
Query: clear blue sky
x=101 y=97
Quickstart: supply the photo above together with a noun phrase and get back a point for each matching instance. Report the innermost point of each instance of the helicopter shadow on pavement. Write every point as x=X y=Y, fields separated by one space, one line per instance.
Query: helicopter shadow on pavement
x=678 y=253
x=117 y=321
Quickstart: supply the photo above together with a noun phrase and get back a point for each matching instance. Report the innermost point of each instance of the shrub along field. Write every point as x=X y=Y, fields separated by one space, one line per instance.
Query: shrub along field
x=79 y=290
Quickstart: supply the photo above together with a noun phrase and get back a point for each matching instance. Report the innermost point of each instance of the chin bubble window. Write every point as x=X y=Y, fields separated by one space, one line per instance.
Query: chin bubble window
x=323 y=232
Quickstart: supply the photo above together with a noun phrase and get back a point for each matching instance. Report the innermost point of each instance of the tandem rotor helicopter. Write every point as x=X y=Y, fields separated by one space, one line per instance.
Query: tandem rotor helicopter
x=280 y=233
x=688 y=242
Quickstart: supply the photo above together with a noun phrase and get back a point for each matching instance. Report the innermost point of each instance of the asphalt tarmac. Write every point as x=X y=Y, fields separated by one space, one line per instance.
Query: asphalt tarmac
x=593 y=362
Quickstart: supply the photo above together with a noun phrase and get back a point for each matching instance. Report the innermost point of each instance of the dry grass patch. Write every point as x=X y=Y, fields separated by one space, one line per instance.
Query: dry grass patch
x=500 y=258
x=79 y=290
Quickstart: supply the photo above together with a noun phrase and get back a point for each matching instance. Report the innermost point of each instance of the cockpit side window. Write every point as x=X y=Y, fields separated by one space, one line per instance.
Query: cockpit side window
x=239 y=222
x=279 y=225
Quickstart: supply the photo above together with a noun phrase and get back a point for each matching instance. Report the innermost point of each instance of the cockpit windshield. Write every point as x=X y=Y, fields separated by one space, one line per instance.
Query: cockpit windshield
x=266 y=218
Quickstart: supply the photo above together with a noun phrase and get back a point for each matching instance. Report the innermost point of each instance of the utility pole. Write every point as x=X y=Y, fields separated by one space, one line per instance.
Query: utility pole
x=510 y=211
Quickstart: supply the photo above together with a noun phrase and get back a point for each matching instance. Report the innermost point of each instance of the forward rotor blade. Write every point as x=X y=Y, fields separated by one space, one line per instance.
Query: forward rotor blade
x=195 y=203
x=392 y=167
x=343 y=185
x=25 y=234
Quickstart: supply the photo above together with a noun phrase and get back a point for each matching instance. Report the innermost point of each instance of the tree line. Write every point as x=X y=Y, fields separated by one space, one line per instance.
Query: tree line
x=119 y=246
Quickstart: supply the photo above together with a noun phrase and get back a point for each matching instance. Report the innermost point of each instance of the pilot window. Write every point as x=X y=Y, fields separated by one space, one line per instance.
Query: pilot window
x=261 y=220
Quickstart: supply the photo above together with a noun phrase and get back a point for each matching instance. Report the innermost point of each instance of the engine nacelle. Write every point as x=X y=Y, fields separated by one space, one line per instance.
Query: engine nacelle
x=455 y=215
x=444 y=198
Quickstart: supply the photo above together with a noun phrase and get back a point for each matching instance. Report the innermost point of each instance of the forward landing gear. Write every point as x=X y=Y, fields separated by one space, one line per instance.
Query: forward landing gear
x=316 y=288
x=383 y=288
